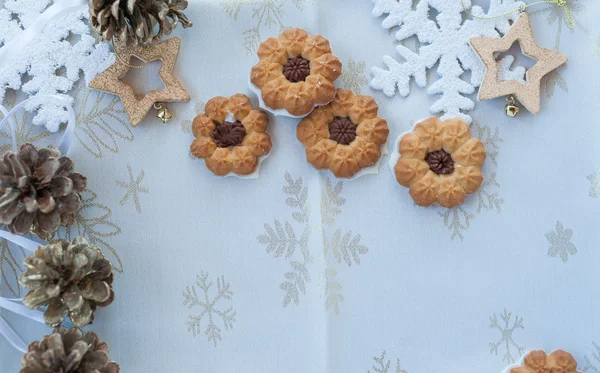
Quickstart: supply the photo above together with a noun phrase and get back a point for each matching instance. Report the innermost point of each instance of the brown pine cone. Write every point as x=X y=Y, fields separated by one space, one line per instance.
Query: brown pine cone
x=70 y=278
x=68 y=351
x=39 y=191
x=134 y=20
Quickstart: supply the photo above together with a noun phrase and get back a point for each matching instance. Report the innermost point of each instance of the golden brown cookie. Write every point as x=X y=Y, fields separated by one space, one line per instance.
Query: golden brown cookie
x=538 y=361
x=231 y=145
x=296 y=72
x=344 y=136
x=440 y=162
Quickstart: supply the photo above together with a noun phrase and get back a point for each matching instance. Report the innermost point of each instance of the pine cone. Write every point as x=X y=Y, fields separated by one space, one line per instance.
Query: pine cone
x=68 y=351
x=71 y=278
x=134 y=20
x=39 y=191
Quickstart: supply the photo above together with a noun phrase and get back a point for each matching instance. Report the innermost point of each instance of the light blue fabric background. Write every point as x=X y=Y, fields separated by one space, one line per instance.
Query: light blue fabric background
x=436 y=291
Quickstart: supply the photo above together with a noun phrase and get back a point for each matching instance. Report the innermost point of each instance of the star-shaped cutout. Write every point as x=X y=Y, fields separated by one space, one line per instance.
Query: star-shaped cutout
x=546 y=61
x=133 y=187
x=110 y=80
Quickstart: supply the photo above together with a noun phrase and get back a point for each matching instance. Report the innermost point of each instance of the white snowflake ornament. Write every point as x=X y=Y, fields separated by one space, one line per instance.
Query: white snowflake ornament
x=8 y=28
x=443 y=41
x=18 y=15
x=26 y=11
x=52 y=61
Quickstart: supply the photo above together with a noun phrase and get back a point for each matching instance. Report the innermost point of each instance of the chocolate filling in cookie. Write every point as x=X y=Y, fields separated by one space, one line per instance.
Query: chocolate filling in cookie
x=296 y=69
x=342 y=130
x=440 y=162
x=228 y=134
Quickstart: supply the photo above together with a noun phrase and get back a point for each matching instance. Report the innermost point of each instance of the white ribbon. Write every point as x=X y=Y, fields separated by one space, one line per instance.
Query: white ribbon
x=11 y=336
x=58 y=9
x=15 y=305
x=65 y=142
x=23 y=242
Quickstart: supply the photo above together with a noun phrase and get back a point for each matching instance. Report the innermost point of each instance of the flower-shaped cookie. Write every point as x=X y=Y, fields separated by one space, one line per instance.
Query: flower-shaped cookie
x=344 y=136
x=440 y=162
x=230 y=135
x=538 y=361
x=296 y=72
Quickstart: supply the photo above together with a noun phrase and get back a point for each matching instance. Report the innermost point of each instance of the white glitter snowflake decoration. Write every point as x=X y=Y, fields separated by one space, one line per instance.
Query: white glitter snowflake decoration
x=17 y=15
x=52 y=61
x=445 y=42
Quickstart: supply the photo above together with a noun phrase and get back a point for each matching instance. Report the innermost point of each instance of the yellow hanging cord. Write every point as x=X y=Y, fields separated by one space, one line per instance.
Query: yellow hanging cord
x=561 y=3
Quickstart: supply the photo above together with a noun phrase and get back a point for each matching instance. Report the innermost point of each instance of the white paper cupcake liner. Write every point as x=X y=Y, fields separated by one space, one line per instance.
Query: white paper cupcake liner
x=277 y=112
x=372 y=170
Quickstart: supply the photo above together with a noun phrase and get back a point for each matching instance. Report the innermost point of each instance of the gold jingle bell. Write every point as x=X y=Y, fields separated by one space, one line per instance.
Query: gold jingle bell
x=511 y=107
x=163 y=114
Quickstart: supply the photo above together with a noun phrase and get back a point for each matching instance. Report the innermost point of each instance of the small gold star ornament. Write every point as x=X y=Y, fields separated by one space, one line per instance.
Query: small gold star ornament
x=137 y=108
x=528 y=93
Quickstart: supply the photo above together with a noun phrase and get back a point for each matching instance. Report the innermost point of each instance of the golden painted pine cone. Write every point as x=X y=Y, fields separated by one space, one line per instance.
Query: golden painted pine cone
x=133 y=21
x=440 y=162
x=296 y=72
x=72 y=279
x=39 y=191
x=344 y=136
x=538 y=361
x=68 y=351
x=230 y=135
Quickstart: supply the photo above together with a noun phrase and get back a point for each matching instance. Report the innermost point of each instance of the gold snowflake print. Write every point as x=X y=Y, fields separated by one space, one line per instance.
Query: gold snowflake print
x=354 y=77
x=266 y=14
x=133 y=187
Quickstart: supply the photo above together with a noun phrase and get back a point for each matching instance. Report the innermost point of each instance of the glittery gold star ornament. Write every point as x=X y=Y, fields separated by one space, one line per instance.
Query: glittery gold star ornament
x=137 y=108
x=529 y=92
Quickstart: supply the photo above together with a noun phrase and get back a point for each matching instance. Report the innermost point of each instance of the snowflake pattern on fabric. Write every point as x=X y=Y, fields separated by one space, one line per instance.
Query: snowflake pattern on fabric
x=595 y=184
x=52 y=62
x=354 y=77
x=555 y=78
x=281 y=240
x=265 y=13
x=345 y=247
x=186 y=126
x=442 y=41
x=382 y=365
x=93 y=222
x=458 y=219
x=101 y=122
x=592 y=365
x=560 y=243
x=506 y=338
x=133 y=188
x=209 y=306
x=11 y=266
